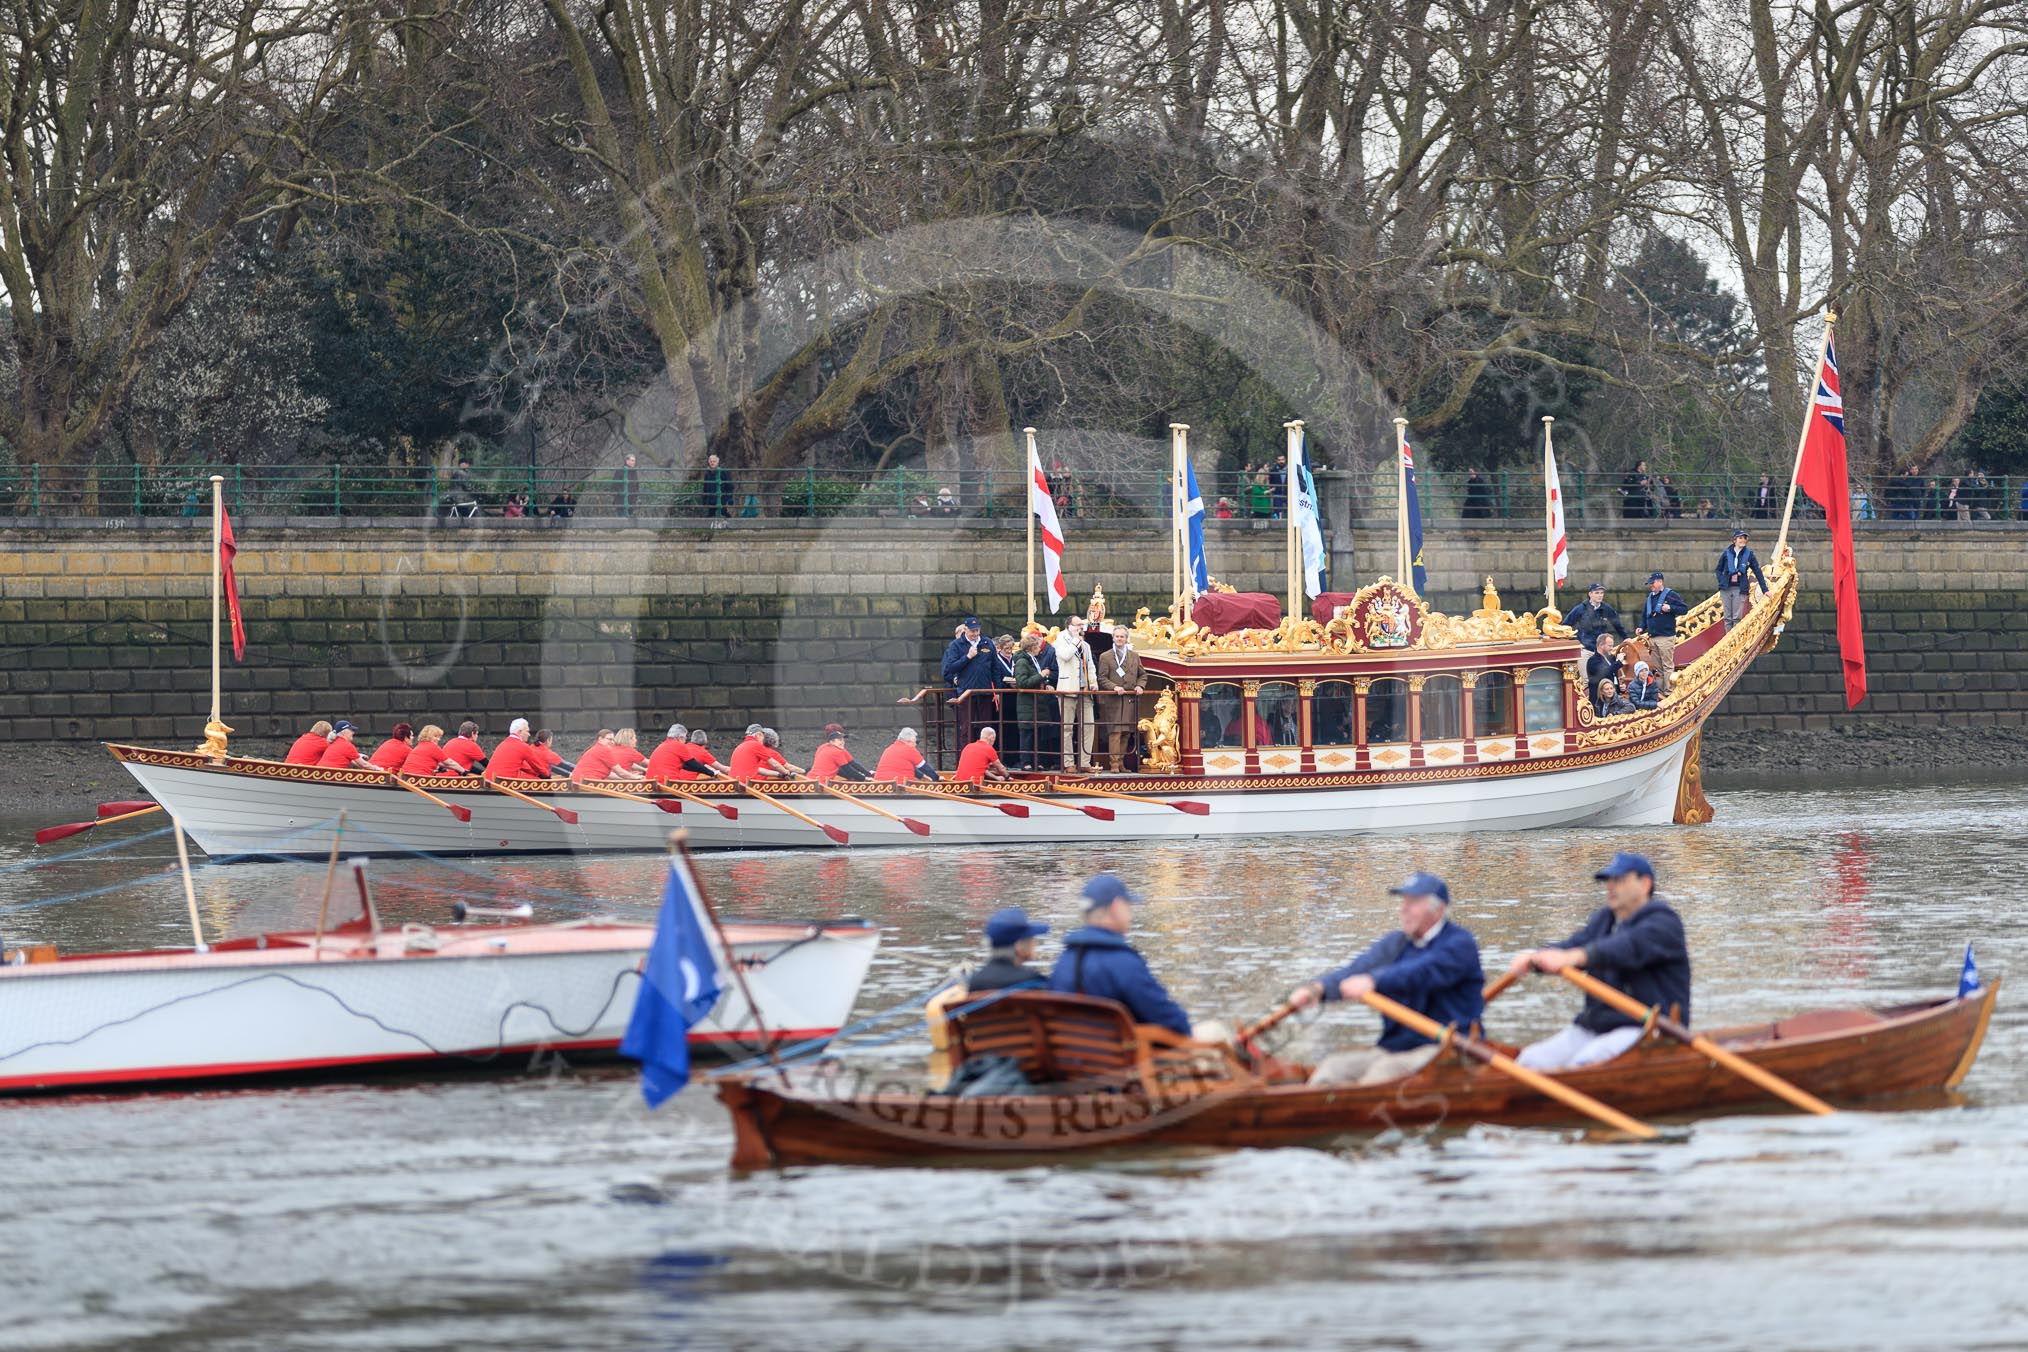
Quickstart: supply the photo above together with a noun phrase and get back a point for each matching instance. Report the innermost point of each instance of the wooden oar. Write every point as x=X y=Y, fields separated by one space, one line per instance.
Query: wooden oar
x=50 y=834
x=1265 y=1022
x=1498 y=987
x=920 y=828
x=837 y=834
x=135 y=806
x=1540 y=1083
x=1732 y=1061
x=1189 y=805
x=563 y=814
x=725 y=810
x=1011 y=809
x=666 y=804
x=463 y=814
x=1103 y=814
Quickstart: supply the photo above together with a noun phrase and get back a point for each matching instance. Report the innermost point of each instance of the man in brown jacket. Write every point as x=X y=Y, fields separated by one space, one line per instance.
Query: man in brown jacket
x=1121 y=680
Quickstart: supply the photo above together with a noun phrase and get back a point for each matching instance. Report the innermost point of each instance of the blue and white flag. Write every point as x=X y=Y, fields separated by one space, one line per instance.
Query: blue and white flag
x=678 y=988
x=1968 y=979
x=1193 y=519
x=1308 y=526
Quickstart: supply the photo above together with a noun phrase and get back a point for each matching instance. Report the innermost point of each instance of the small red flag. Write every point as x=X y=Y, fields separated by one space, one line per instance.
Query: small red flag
x=1821 y=474
x=226 y=549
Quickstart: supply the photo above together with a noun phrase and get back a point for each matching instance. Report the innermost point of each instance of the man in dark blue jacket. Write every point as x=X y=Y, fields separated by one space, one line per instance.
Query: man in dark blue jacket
x=1592 y=617
x=1430 y=965
x=969 y=664
x=1097 y=960
x=1735 y=564
x=1660 y=610
x=1634 y=942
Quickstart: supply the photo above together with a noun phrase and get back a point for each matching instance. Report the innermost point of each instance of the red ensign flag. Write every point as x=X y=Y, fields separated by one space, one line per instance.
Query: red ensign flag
x=226 y=549
x=1821 y=474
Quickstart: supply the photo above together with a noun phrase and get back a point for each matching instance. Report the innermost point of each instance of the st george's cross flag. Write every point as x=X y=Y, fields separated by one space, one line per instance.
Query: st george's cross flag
x=679 y=985
x=1043 y=508
x=1820 y=472
x=1559 y=537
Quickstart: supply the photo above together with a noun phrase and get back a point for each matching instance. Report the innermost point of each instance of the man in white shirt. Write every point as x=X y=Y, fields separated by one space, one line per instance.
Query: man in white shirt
x=1076 y=689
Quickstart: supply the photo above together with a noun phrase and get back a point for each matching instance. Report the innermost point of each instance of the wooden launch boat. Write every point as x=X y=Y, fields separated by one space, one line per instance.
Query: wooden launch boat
x=1105 y=1083
x=363 y=997
x=1386 y=716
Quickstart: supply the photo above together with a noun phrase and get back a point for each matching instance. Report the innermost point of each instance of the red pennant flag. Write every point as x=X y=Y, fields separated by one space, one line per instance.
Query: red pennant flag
x=1821 y=474
x=226 y=549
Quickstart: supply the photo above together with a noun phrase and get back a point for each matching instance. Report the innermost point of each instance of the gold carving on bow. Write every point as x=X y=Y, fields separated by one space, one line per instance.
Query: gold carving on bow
x=1160 y=727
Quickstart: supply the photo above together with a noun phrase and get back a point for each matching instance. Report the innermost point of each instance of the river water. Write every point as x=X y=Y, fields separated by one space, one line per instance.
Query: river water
x=549 y=1210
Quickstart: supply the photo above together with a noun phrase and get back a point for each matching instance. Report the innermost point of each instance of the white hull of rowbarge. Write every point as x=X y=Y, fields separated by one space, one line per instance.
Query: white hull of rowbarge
x=246 y=809
x=416 y=997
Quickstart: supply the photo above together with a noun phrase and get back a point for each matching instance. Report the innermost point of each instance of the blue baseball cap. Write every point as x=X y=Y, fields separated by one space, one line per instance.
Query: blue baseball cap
x=342 y=726
x=1624 y=863
x=1107 y=888
x=1419 y=884
x=971 y=621
x=1010 y=925
x=1656 y=577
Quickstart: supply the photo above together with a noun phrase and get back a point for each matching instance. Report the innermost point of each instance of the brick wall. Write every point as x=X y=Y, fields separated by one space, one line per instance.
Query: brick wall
x=103 y=632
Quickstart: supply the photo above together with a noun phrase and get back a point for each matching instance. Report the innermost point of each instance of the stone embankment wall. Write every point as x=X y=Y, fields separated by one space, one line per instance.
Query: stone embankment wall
x=104 y=632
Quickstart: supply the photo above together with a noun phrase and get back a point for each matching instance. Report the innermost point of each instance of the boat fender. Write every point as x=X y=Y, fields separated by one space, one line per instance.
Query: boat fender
x=418 y=938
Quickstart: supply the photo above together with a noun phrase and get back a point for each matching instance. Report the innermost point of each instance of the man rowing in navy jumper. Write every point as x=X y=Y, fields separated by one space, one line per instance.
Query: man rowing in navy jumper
x=1635 y=942
x=1097 y=960
x=1430 y=965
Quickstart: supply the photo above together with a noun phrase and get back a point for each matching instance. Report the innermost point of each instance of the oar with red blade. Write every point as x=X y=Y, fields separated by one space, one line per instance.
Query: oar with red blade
x=50 y=834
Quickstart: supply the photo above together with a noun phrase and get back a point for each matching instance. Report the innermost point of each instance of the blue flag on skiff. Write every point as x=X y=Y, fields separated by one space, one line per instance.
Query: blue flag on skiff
x=1968 y=980
x=1193 y=517
x=679 y=986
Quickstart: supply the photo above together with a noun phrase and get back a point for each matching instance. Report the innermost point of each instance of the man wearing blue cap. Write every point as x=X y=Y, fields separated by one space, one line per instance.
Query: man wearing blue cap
x=1011 y=936
x=1592 y=617
x=969 y=665
x=1660 y=610
x=1430 y=965
x=1097 y=960
x=1635 y=942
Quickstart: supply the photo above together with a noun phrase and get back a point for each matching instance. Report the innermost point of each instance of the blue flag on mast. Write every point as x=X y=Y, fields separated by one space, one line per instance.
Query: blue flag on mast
x=1309 y=527
x=679 y=986
x=1193 y=519
x=1968 y=979
x=1413 y=511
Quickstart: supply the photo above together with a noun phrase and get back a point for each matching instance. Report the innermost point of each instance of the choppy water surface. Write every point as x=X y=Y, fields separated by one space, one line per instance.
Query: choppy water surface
x=545 y=1210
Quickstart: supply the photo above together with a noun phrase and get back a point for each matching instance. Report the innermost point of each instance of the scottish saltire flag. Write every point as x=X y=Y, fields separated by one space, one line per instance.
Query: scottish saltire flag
x=1968 y=979
x=1820 y=472
x=1193 y=518
x=1308 y=526
x=679 y=986
x=1413 y=509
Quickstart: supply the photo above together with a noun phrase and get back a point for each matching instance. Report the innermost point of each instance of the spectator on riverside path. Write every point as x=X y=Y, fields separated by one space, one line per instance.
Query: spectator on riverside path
x=1478 y=497
x=563 y=506
x=1592 y=617
x=1862 y=505
x=630 y=487
x=1636 y=493
x=309 y=748
x=427 y=756
x=717 y=488
x=393 y=753
x=1736 y=563
x=1763 y=505
x=1224 y=512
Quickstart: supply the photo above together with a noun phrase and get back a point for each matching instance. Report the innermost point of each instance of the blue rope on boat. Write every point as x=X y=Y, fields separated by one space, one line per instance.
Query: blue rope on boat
x=44 y=861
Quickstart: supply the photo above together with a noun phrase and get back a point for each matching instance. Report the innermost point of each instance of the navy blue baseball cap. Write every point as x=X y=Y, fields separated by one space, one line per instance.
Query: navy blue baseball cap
x=1419 y=884
x=1010 y=925
x=971 y=622
x=1107 y=888
x=1624 y=863
x=1596 y=586
x=1656 y=577
x=342 y=726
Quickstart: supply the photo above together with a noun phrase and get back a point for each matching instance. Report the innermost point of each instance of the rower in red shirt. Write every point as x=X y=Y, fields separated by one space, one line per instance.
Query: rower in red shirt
x=667 y=759
x=309 y=748
x=551 y=761
x=979 y=761
x=393 y=752
x=597 y=760
x=341 y=754
x=427 y=756
x=700 y=763
x=628 y=762
x=760 y=757
x=832 y=760
x=514 y=758
x=464 y=749
x=901 y=761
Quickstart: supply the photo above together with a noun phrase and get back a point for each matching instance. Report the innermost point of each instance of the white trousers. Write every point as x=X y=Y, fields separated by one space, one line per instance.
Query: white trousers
x=1575 y=1047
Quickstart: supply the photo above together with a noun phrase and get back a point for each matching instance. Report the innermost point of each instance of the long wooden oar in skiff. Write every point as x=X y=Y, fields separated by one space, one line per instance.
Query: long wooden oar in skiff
x=920 y=828
x=1282 y=1011
x=725 y=810
x=135 y=806
x=836 y=833
x=1092 y=810
x=1190 y=805
x=666 y=804
x=1507 y=1065
x=1732 y=1061
x=51 y=834
x=463 y=814
x=563 y=814
x=1011 y=809
x=1498 y=987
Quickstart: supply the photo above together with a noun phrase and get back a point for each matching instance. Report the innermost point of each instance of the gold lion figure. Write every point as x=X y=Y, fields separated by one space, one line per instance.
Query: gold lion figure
x=1163 y=754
